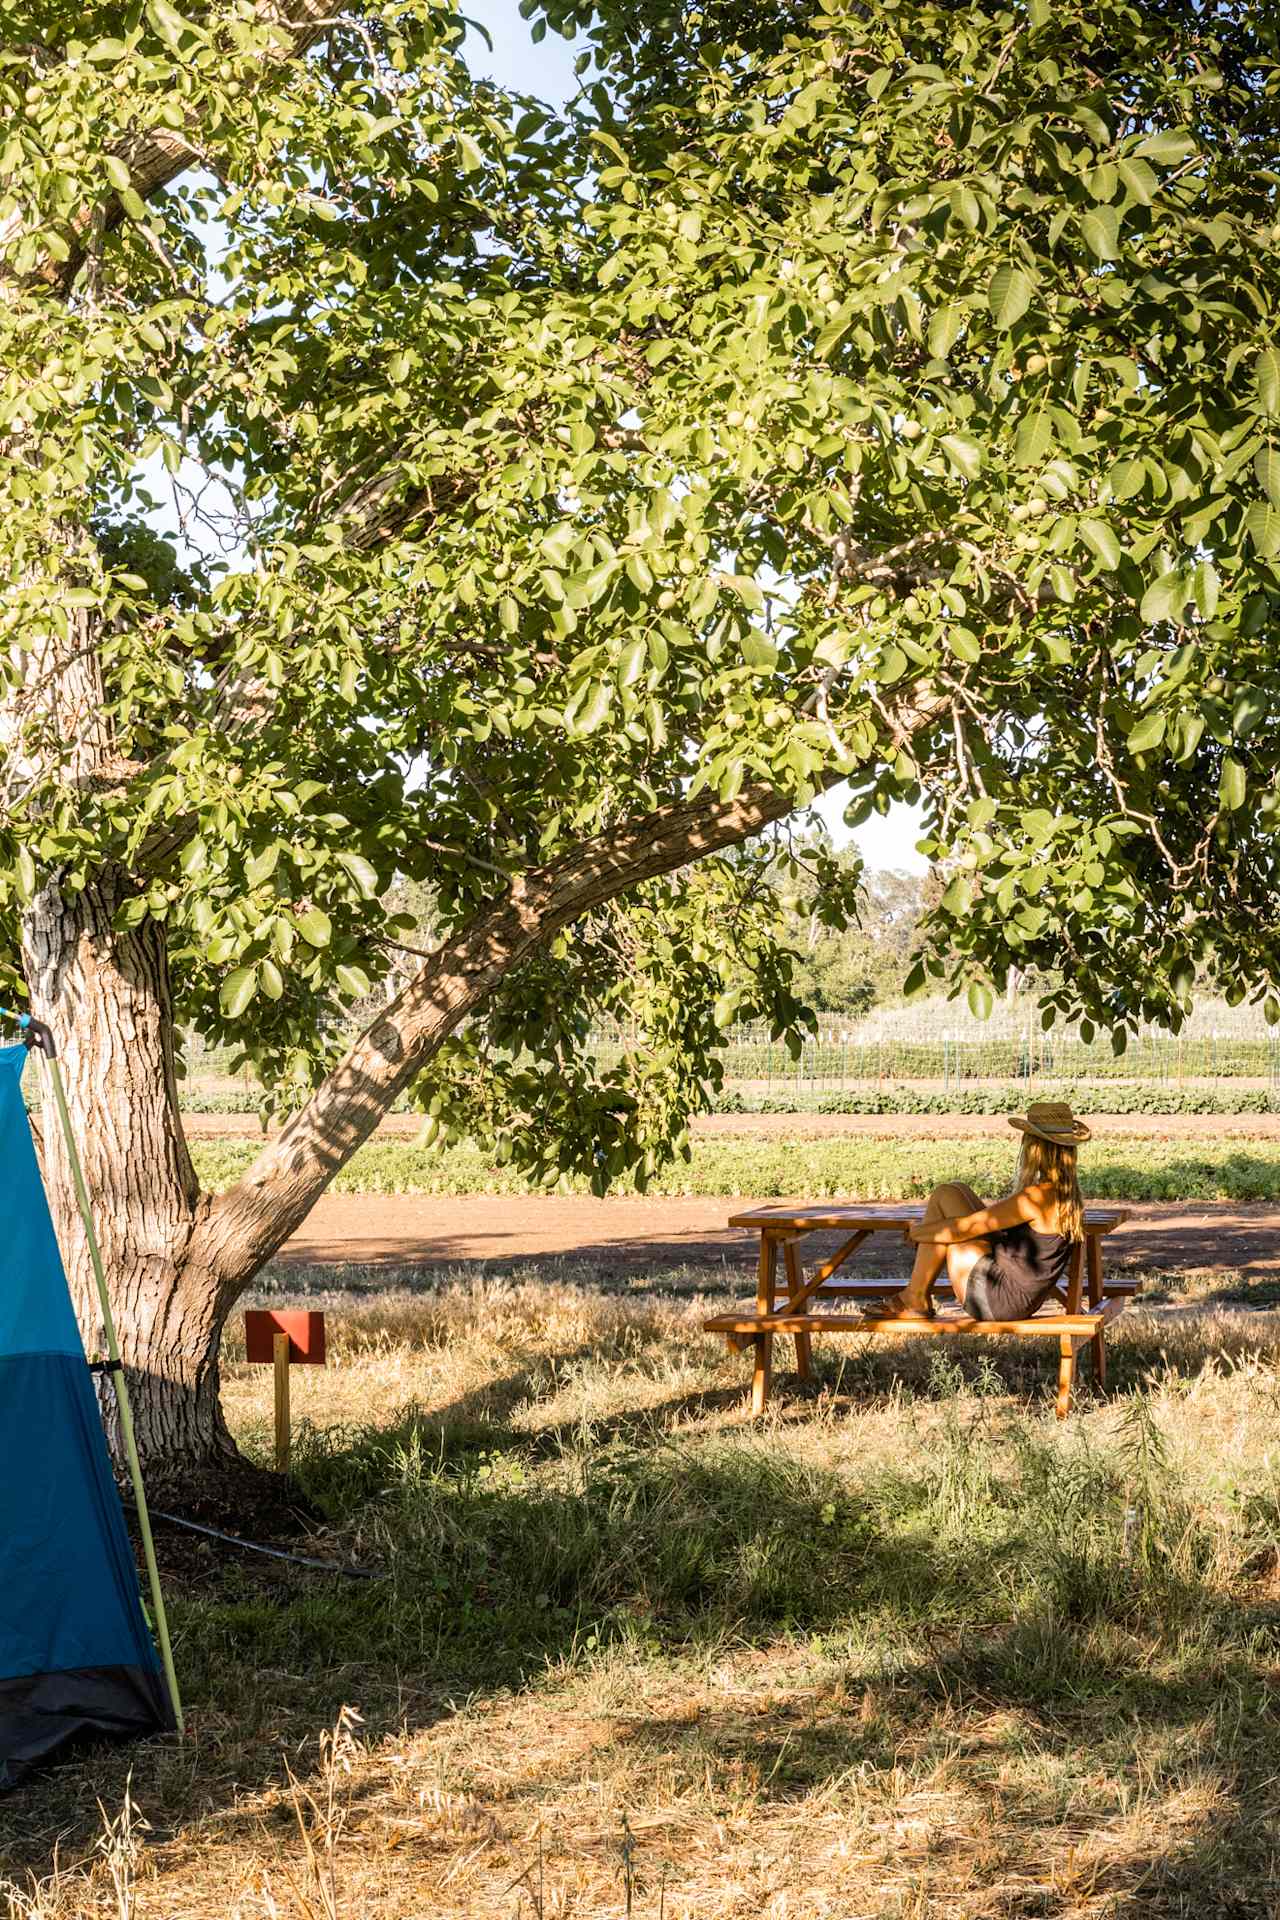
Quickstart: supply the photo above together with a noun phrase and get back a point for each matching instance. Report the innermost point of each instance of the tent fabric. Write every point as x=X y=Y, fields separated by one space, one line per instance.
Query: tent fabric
x=76 y=1657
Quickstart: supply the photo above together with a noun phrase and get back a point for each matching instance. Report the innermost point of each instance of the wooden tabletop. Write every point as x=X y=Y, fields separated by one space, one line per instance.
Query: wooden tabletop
x=881 y=1217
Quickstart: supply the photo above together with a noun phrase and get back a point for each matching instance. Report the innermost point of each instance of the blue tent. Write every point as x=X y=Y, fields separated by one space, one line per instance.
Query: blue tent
x=76 y=1658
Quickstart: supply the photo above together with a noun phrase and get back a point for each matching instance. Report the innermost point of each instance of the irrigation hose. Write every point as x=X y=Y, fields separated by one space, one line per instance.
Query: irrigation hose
x=273 y=1553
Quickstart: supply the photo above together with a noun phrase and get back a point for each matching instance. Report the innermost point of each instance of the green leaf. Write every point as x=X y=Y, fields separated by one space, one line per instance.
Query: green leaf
x=1101 y=539
x=1262 y=524
x=1204 y=587
x=558 y=542
x=1138 y=180
x=632 y=662
x=1100 y=231
x=1251 y=709
x=26 y=868
x=237 y=991
x=964 y=453
x=1127 y=477
x=1033 y=438
x=1266 y=376
x=168 y=23
x=1148 y=733
x=1165 y=598
x=362 y=872
x=1190 y=728
x=469 y=153
x=354 y=981
x=1169 y=147
x=1009 y=295
x=981 y=1000
x=315 y=927
x=116 y=171
x=1267 y=467
x=1233 y=785
x=945 y=328
x=590 y=709
x=271 y=979
x=758 y=650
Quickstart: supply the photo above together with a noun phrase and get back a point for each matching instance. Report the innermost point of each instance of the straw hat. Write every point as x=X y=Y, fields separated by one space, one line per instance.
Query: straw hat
x=1052 y=1120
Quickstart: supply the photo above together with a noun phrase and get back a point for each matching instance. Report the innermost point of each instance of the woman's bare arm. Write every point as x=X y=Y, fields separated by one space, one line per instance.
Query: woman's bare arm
x=1028 y=1204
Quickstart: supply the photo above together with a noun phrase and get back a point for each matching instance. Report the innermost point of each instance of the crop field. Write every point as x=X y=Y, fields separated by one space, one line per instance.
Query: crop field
x=1117 y=1167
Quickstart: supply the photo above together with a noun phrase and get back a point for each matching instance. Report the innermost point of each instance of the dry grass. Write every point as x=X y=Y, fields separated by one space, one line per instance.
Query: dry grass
x=908 y=1648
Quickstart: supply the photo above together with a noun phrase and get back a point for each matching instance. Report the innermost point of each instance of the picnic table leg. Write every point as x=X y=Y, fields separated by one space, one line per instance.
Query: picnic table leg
x=763 y=1342
x=1097 y=1346
x=1066 y=1373
x=804 y=1346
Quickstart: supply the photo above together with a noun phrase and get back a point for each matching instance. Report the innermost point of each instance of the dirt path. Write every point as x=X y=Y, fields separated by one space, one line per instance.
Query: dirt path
x=632 y=1235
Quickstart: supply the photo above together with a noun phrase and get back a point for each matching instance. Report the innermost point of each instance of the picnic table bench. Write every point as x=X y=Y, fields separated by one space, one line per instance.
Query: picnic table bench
x=1078 y=1317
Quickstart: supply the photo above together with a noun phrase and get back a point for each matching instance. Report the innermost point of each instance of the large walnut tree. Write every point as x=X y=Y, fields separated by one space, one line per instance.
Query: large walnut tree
x=400 y=480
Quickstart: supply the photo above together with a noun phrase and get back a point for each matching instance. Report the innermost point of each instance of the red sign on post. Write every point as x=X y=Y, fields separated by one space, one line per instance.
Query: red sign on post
x=283 y=1340
x=305 y=1332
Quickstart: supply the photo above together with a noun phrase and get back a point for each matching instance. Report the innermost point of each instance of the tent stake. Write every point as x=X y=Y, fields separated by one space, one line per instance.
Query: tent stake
x=53 y=1073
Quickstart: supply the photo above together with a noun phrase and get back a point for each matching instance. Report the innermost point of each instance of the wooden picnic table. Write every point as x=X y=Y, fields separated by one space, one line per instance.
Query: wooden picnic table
x=1078 y=1319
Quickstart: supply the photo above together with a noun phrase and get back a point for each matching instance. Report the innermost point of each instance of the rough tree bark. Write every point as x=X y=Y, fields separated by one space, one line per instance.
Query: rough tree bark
x=106 y=997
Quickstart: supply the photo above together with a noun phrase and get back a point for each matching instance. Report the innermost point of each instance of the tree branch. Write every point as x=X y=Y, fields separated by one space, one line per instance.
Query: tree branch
x=244 y=1226
x=162 y=154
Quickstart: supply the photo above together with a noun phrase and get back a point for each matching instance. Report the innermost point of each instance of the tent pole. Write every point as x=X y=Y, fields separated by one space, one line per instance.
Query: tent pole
x=53 y=1075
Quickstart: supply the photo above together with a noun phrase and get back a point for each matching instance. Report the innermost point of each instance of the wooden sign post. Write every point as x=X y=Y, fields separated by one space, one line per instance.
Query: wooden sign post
x=283 y=1340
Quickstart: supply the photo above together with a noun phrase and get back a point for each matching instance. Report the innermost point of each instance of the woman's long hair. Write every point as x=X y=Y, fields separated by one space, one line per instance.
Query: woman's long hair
x=1045 y=1161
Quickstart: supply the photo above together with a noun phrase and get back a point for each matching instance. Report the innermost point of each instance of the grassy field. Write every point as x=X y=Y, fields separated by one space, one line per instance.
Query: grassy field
x=908 y=1648
x=1114 y=1168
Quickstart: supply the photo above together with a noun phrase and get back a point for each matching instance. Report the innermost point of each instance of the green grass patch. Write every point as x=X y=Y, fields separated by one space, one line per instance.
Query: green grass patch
x=854 y=1169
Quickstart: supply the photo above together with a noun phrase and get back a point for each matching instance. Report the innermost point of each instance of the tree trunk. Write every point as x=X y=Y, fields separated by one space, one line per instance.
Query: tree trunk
x=106 y=996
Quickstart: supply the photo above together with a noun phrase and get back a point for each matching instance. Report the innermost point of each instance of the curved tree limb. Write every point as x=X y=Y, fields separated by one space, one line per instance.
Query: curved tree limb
x=244 y=1226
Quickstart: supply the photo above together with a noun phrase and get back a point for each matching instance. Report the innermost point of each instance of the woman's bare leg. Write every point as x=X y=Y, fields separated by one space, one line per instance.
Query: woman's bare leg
x=947 y=1202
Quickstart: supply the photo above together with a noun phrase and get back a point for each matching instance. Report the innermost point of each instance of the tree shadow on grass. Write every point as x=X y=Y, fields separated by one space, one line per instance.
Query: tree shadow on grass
x=850 y=1376
x=492 y=1580
x=651 y=1544
x=1032 y=1751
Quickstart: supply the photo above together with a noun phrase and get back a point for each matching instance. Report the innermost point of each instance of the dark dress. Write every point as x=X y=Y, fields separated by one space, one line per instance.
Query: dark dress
x=1018 y=1275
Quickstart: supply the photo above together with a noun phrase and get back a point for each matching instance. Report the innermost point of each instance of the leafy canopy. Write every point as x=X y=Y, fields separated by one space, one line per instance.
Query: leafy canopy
x=888 y=392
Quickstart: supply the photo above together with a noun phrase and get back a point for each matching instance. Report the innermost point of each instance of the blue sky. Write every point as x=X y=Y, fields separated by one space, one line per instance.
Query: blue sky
x=546 y=70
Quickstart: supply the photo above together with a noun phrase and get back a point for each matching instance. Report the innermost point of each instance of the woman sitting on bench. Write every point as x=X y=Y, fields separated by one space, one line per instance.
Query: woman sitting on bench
x=1004 y=1261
